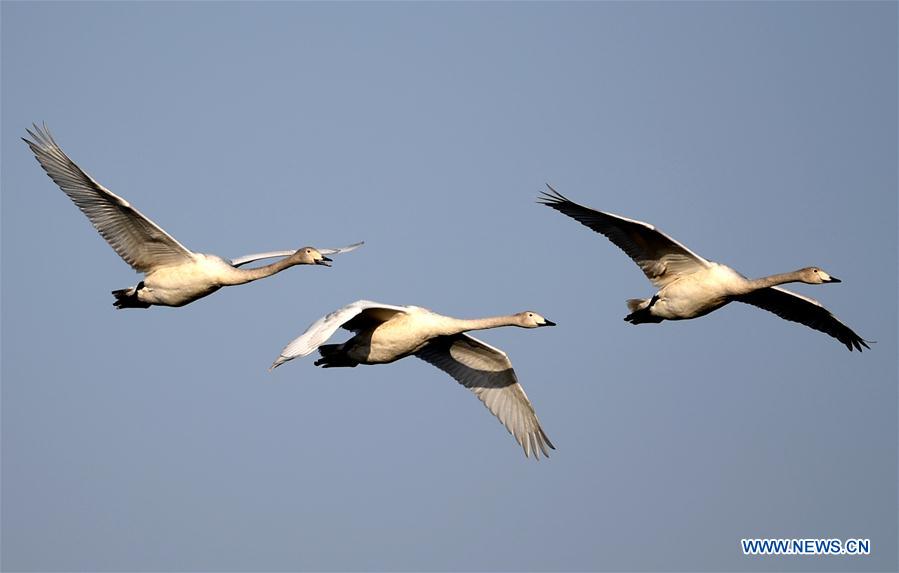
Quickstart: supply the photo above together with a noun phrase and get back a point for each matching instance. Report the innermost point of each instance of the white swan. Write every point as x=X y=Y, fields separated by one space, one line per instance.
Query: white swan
x=385 y=333
x=690 y=286
x=174 y=275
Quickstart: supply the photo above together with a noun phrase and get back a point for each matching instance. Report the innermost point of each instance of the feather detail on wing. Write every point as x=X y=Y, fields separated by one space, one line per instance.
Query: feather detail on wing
x=246 y=259
x=488 y=373
x=322 y=329
x=339 y=250
x=661 y=258
x=804 y=310
x=137 y=239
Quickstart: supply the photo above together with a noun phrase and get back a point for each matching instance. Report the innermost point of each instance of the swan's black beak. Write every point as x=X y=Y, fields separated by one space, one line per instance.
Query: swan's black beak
x=834 y=280
x=325 y=261
x=547 y=322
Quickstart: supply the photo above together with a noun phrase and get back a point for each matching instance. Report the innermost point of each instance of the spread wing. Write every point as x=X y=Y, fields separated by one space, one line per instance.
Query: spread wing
x=322 y=329
x=661 y=258
x=797 y=308
x=271 y=254
x=488 y=373
x=137 y=239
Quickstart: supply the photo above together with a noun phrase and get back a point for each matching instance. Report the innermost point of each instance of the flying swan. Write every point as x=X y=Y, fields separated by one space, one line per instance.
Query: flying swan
x=385 y=333
x=173 y=275
x=690 y=286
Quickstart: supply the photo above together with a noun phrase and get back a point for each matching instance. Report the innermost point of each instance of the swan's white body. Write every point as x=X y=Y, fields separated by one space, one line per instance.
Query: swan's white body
x=698 y=293
x=174 y=275
x=386 y=333
x=180 y=284
x=177 y=285
x=691 y=286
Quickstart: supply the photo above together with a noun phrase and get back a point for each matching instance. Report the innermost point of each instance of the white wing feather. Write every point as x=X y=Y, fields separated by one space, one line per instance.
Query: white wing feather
x=271 y=254
x=339 y=250
x=322 y=329
x=138 y=240
x=487 y=371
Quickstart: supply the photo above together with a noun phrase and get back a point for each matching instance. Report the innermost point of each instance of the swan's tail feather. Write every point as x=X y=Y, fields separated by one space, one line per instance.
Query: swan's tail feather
x=334 y=357
x=640 y=311
x=635 y=304
x=127 y=298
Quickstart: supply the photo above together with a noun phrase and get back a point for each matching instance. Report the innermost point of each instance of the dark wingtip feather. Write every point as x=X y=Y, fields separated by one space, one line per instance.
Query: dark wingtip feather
x=548 y=443
x=856 y=343
x=41 y=138
x=552 y=198
x=546 y=199
x=34 y=138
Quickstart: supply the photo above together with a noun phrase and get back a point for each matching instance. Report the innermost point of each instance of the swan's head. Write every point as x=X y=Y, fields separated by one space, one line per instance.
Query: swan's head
x=816 y=276
x=530 y=319
x=311 y=256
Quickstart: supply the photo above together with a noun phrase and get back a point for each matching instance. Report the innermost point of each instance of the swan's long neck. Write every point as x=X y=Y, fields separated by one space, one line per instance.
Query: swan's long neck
x=241 y=276
x=772 y=280
x=451 y=325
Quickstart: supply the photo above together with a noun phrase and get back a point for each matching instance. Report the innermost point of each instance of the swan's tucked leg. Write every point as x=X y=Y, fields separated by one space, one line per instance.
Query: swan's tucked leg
x=127 y=297
x=640 y=310
x=333 y=356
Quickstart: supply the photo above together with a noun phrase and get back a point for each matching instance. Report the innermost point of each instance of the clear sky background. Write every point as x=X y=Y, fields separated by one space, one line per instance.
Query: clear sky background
x=761 y=135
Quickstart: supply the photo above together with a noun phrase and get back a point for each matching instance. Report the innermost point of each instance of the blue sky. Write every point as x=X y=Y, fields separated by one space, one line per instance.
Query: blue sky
x=761 y=135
